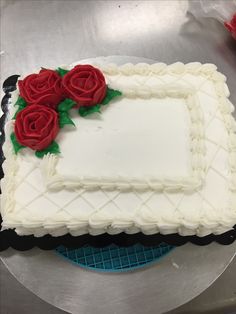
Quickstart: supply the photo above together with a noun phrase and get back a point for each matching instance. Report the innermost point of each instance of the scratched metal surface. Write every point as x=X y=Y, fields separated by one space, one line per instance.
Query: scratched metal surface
x=50 y=33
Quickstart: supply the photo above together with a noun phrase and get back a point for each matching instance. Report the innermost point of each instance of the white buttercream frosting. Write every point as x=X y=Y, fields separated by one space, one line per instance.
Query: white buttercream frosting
x=56 y=181
x=37 y=199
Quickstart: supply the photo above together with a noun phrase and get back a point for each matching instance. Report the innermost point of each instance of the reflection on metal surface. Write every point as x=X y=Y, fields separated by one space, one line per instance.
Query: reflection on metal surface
x=69 y=287
x=50 y=33
x=134 y=18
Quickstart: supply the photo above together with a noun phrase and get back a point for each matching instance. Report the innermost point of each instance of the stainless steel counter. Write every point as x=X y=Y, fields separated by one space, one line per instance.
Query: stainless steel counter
x=50 y=33
x=220 y=298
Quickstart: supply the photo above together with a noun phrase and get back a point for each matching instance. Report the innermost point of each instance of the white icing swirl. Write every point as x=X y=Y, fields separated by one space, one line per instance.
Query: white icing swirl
x=177 y=68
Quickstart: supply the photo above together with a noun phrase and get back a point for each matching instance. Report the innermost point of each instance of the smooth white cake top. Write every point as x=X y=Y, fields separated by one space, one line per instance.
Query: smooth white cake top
x=131 y=138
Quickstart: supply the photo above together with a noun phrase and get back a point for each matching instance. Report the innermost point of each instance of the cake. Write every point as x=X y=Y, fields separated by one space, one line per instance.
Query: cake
x=93 y=149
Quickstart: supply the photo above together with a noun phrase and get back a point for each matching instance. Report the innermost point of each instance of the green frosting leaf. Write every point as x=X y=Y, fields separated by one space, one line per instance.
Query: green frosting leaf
x=84 y=111
x=17 y=111
x=20 y=102
x=66 y=105
x=61 y=71
x=64 y=119
x=111 y=93
x=16 y=145
x=63 y=109
x=53 y=148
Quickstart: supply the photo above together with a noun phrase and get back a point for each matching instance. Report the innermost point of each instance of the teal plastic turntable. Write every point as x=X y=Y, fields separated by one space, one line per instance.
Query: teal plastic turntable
x=113 y=258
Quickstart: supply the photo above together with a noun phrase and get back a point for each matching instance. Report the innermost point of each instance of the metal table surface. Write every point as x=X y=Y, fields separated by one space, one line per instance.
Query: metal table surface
x=50 y=33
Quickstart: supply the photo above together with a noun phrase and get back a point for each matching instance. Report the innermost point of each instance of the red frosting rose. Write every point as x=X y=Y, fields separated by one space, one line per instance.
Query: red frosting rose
x=231 y=26
x=43 y=88
x=85 y=84
x=36 y=126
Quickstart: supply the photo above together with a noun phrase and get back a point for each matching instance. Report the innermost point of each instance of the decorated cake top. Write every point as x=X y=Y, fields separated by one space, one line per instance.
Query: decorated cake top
x=45 y=100
x=154 y=161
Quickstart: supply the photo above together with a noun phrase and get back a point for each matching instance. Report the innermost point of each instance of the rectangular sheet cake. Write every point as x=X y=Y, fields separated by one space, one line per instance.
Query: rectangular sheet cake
x=160 y=157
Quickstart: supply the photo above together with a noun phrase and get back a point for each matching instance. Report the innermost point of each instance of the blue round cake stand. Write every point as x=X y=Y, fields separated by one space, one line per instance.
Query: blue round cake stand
x=113 y=258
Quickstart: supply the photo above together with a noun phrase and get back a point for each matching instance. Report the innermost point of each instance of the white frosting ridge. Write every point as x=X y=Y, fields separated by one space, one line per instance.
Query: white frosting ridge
x=179 y=68
x=200 y=216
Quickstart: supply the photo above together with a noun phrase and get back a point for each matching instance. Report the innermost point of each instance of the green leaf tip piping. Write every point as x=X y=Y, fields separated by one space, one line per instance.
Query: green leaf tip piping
x=111 y=93
x=16 y=145
x=53 y=148
x=61 y=71
x=64 y=119
x=84 y=111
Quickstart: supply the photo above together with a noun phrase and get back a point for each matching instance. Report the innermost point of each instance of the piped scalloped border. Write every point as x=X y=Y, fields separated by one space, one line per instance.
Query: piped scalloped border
x=55 y=181
x=161 y=69
x=9 y=238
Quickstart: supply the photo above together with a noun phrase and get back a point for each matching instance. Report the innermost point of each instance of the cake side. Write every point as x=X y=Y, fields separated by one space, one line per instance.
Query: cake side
x=32 y=207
